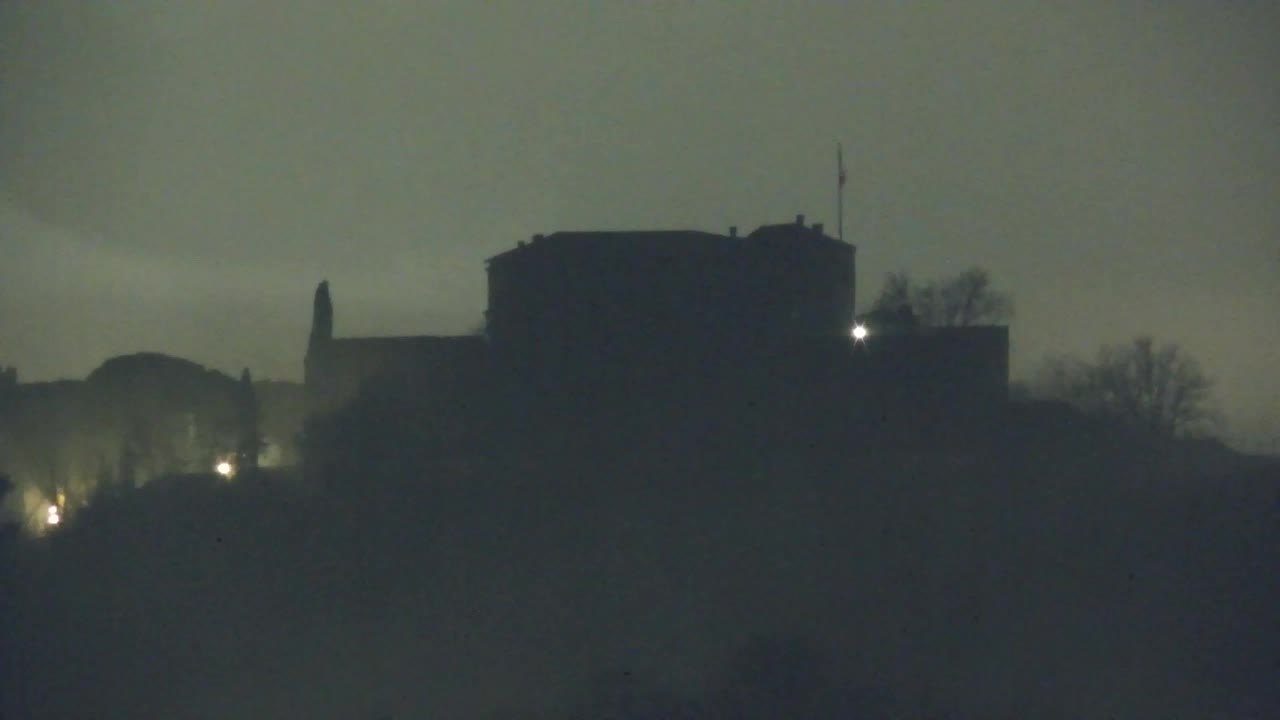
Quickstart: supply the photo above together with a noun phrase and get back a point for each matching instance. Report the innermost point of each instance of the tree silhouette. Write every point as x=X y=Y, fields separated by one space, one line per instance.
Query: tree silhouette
x=321 y=316
x=960 y=301
x=249 y=442
x=8 y=534
x=969 y=299
x=1161 y=389
x=6 y=486
x=895 y=294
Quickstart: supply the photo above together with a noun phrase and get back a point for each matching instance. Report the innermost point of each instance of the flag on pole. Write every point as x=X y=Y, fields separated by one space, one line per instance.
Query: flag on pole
x=840 y=166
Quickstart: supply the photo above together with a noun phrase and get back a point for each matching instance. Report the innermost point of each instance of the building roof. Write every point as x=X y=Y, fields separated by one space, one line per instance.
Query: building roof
x=791 y=232
x=661 y=242
x=629 y=241
x=401 y=345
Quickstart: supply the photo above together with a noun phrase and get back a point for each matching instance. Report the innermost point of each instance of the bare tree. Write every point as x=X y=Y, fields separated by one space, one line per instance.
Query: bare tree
x=968 y=299
x=960 y=301
x=895 y=293
x=1160 y=388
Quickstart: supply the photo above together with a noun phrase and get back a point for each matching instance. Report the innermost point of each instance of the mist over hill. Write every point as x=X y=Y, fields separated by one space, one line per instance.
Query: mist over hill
x=133 y=419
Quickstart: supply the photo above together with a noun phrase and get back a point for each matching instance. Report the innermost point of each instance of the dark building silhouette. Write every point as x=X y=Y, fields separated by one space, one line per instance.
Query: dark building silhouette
x=648 y=297
x=628 y=328
x=337 y=368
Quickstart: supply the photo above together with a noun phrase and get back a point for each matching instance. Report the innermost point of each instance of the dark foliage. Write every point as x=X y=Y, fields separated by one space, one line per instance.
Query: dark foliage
x=1160 y=389
x=959 y=301
x=249 y=442
x=1023 y=573
x=394 y=428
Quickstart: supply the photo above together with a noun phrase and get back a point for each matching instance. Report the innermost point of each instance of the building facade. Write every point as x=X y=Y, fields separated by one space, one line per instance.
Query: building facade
x=654 y=297
x=336 y=369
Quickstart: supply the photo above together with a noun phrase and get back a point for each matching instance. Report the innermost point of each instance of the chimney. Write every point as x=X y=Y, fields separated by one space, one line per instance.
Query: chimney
x=733 y=231
x=817 y=227
x=800 y=220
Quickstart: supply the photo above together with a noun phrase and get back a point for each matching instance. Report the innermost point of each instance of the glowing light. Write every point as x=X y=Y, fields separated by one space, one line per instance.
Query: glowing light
x=53 y=517
x=859 y=332
x=223 y=468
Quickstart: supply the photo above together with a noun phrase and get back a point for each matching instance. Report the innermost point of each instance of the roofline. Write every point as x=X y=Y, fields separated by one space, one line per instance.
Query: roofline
x=525 y=246
x=406 y=338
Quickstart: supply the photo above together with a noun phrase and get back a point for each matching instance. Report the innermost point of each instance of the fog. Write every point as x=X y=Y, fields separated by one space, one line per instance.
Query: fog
x=1115 y=165
x=382 y=394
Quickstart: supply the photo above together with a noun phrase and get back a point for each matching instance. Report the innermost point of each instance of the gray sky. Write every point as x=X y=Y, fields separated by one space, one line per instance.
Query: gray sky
x=176 y=175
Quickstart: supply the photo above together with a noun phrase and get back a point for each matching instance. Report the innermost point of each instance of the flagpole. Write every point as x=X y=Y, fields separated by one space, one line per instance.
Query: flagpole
x=841 y=178
x=840 y=191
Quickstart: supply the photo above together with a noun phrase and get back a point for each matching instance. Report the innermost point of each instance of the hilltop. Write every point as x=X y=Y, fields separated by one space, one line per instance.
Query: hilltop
x=1055 y=568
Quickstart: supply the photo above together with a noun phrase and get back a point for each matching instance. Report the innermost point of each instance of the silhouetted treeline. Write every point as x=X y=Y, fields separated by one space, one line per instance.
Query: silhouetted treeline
x=1159 y=388
x=134 y=419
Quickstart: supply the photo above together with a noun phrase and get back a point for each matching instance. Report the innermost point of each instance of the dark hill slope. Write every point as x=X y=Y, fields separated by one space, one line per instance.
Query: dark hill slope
x=1042 y=570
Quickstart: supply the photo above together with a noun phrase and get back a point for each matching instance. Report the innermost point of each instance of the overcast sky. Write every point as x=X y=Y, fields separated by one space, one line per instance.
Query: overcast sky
x=176 y=175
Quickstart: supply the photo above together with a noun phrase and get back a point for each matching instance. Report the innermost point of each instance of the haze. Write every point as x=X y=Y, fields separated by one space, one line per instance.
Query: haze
x=177 y=175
